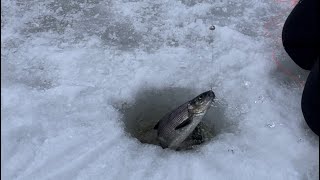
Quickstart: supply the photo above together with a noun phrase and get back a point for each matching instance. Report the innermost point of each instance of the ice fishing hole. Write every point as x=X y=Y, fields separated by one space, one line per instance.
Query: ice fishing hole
x=150 y=105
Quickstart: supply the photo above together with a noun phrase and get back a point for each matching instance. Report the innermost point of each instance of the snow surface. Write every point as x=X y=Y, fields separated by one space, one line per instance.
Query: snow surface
x=72 y=69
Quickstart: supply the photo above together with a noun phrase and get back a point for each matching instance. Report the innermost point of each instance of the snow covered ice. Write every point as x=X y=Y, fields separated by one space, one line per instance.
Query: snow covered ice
x=69 y=68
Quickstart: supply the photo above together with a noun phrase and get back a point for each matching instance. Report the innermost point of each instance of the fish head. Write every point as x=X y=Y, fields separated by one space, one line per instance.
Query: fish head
x=201 y=103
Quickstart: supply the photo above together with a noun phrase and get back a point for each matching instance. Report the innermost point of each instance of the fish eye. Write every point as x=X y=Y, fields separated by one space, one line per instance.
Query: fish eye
x=200 y=97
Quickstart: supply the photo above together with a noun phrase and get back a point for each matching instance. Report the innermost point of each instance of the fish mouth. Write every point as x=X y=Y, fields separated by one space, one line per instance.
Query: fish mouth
x=210 y=94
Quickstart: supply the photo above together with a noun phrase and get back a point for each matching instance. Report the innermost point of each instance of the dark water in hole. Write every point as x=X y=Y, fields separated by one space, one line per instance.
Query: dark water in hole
x=152 y=104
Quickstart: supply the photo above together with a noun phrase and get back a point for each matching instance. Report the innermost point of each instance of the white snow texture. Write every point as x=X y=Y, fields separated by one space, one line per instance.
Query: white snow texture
x=67 y=67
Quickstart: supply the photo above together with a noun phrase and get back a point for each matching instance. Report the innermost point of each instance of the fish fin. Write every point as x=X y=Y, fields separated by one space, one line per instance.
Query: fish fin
x=156 y=126
x=184 y=123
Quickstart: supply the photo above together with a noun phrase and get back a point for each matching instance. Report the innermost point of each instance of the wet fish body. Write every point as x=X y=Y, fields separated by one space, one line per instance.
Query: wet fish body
x=178 y=124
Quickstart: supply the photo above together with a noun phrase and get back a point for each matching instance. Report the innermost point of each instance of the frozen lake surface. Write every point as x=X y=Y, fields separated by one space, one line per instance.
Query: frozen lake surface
x=80 y=78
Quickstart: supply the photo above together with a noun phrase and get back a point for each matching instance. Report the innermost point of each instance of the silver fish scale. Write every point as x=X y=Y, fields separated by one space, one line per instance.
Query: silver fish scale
x=168 y=135
x=179 y=113
x=172 y=120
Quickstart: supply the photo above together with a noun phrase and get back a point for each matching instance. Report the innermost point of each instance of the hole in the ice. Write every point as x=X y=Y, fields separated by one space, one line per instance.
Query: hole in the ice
x=151 y=104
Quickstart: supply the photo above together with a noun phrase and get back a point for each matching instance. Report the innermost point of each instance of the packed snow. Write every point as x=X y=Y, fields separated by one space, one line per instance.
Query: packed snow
x=78 y=76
